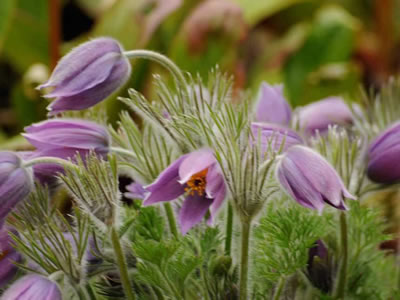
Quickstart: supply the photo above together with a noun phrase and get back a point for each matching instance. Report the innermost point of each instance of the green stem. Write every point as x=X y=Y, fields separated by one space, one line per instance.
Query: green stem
x=123 y=271
x=229 y=229
x=161 y=59
x=244 y=260
x=171 y=219
x=48 y=160
x=279 y=289
x=123 y=151
x=342 y=273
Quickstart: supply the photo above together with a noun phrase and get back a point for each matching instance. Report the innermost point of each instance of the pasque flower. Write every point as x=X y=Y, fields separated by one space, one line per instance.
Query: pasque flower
x=319 y=115
x=272 y=106
x=16 y=182
x=197 y=176
x=32 y=287
x=87 y=75
x=272 y=136
x=8 y=255
x=383 y=156
x=309 y=179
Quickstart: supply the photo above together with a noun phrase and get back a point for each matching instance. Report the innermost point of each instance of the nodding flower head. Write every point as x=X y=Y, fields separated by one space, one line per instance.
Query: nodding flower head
x=196 y=175
x=16 y=182
x=310 y=180
x=87 y=75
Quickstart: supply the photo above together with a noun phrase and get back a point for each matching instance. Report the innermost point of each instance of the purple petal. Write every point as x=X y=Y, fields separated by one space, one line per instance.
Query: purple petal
x=166 y=187
x=218 y=200
x=384 y=166
x=79 y=58
x=195 y=162
x=193 y=210
x=135 y=191
x=272 y=106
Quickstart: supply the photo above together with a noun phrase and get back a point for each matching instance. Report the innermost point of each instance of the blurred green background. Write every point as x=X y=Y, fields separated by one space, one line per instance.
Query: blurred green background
x=317 y=48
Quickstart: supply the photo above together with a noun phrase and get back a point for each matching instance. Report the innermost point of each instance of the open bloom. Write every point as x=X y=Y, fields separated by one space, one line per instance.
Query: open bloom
x=33 y=287
x=87 y=75
x=197 y=176
x=16 y=182
x=318 y=116
x=383 y=156
x=271 y=137
x=309 y=179
x=272 y=106
x=8 y=255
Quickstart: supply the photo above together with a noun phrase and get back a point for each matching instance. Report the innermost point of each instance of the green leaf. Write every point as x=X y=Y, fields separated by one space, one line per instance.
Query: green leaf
x=7 y=8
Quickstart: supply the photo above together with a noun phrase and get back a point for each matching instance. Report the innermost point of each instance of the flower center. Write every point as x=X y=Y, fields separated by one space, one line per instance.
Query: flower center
x=197 y=183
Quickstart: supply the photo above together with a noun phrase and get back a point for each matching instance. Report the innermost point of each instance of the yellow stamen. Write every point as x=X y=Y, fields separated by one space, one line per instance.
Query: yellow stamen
x=197 y=183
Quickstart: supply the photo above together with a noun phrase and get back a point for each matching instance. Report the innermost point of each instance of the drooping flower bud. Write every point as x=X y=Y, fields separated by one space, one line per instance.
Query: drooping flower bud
x=16 y=182
x=318 y=116
x=310 y=180
x=8 y=255
x=32 y=287
x=272 y=106
x=87 y=75
x=383 y=156
x=274 y=137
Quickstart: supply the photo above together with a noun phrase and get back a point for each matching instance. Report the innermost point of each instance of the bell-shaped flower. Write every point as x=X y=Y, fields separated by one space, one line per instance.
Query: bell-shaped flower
x=196 y=175
x=87 y=75
x=272 y=106
x=274 y=137
x=64 y=138
x=8 y=256
x=383 y=156
x=33 y=287
x=16 y=182
x=310 y=180
x=318 y=116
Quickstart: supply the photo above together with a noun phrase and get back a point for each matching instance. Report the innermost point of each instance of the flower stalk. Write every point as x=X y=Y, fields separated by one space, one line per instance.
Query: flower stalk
x=48 y=160
x=171 y=220
x=244 y=260
x=279 y=288
x=229 y=229
x=342 y=274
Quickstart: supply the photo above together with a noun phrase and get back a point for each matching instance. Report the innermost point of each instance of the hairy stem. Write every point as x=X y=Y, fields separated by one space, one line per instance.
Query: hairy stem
x=342 y=273
x=123 y=151
x=161 y=59
x=171 y=219
x=229 y=228
x=123 y=270
x=48 y=160
x=244 y=260
x=279 y=288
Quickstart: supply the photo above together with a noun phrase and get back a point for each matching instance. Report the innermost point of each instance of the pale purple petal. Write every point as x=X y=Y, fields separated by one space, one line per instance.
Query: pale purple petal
x=195 y=162
x=166 y=187
x=193 y=210
x=218 y=200
x=272 y=106
x=135 y=191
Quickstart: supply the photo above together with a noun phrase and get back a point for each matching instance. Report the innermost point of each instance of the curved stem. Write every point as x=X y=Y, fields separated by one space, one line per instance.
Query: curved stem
x=342 y=274
x=161 y=59
x=123 y=270
x=171 y=219
x=123 y=151
x=279 y=288
x=48 y=160
x=244 y=261
x=229 y=229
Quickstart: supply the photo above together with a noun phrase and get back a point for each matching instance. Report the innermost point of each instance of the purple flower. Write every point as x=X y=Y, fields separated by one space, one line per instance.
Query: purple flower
x=135 y=191
x=16 y=182
x=64 y=138
x=8 y=255
x=87 y=75
x=272 y=106
x=318 y=116
x=197 y=176
x=273 y=136
x=32 y=287
x=309 y=179
x=383 y=156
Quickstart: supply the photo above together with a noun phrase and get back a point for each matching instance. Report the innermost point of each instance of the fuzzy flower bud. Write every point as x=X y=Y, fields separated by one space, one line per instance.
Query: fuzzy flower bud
x=8 y=255
x=87 y=75
x=318 y=116
x=272 y=106
x=16 y=182
x=32 y=287
x=310 y=180
x=383 y=153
